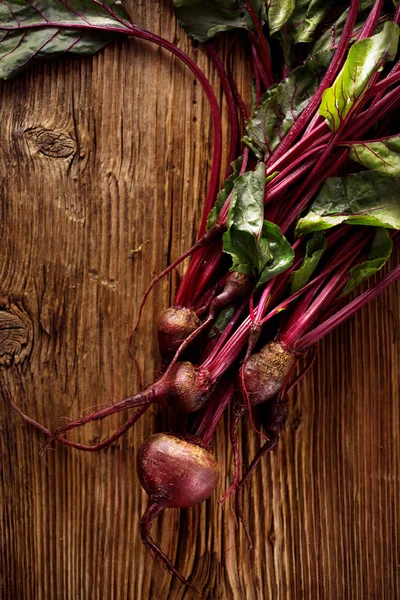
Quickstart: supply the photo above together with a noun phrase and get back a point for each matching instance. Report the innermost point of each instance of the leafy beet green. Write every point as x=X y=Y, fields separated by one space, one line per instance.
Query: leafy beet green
x=314 y=250
x=381 y=250
x=222 y=321
x=279 y=11
x=246 y=209
x=203 y=19
x=367 y=198
x=275 y=254
x=223 y=194
x=382 y=155
x=330 y=37
x=282 y=104
x=307 y=15
x=48 y=28
x=263 y=257
x=365 y=59
x=257 y=247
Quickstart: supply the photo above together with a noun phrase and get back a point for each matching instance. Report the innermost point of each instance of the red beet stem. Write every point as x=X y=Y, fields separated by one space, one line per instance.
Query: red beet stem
x=207 y=423
x=327 y=80
x=304 y=144
x=300 y=322
x=209 y=356
x=372 y=20
x=396 y=17
x=347 y=311
x=259 y=67
x=230 y=98
x=265 y=54
x=210 y=236
x=257 y=78
x=184 y=295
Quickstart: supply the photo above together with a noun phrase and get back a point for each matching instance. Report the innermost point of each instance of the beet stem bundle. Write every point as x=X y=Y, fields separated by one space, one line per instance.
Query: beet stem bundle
x=303 y=218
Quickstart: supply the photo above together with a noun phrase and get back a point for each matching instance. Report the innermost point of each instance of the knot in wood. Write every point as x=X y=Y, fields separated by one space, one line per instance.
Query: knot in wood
x=52 y=143
x=16 y=334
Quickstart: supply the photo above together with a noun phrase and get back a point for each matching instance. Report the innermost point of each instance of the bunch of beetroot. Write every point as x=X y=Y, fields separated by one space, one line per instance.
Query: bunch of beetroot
x=310 y=208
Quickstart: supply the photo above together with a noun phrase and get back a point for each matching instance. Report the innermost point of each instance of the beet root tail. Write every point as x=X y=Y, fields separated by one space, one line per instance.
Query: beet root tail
x=154 y=508
x=239 y=513
x=267 y=447
x=237 y=414
x=85 y=448
x=142 y=399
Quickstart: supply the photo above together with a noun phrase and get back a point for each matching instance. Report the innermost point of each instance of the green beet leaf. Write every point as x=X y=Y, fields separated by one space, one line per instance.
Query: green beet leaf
x=306 y=17
x=262 y=257
x=331 y=36
x=257 y=247
x=203 y=19
x=365 y=58
x=314 y=249
x=383 y=155
x=367 y=198
x=381 y=250
x=222 y=321
x=246 y=209
x=276 y=254
x=301 y=27
x=279 y=11
x=223 y=194
x=282 y=104
x=31 y=31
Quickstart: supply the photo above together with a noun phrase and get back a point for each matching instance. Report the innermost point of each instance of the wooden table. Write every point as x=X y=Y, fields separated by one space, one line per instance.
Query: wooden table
x=103 y=166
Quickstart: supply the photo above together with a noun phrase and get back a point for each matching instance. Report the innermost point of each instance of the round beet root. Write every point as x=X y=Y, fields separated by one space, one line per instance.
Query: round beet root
x=178 y=472
x=265 y=372
x=174 y=326
x=175 y=473
x=261 y=377
x=186 y=387
x=236 y=286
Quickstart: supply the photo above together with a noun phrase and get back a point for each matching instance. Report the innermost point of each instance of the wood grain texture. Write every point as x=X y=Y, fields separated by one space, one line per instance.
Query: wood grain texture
x=101 y=157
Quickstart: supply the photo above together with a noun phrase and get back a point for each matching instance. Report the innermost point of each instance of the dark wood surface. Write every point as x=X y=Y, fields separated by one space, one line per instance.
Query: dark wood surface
x=103 y=167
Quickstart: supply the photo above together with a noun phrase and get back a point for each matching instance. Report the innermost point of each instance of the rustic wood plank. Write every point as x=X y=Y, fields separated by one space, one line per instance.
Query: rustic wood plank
x=101 y=157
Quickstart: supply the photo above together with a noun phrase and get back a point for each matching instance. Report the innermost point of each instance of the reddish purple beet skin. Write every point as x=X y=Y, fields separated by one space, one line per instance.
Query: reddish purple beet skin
x=176 y=472
x=265 y=372
x=186 y=387
x=174 y=326
x=237 y=285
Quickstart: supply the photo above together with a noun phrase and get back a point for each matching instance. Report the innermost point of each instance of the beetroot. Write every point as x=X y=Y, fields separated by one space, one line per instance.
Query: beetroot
x=175 y=324
x=175 y=473
x=174 y=469
x=262 y=376
x=184 y=388
x=236 y=286
x=264 y=373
